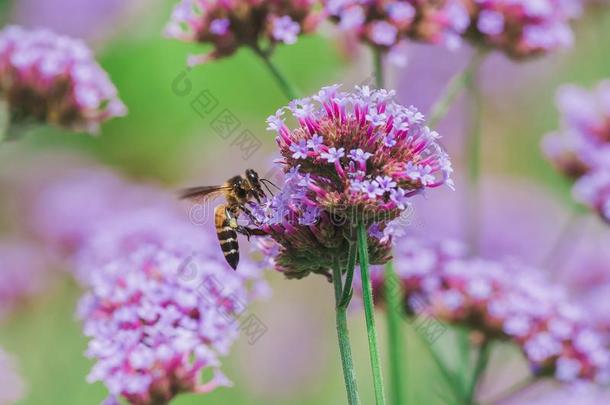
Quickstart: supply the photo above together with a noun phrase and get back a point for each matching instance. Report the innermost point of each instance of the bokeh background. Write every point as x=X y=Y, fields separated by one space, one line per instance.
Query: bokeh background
x=164 y=141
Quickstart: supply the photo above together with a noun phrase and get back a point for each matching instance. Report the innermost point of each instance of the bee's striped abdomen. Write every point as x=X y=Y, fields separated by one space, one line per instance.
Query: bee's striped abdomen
x=227 y=236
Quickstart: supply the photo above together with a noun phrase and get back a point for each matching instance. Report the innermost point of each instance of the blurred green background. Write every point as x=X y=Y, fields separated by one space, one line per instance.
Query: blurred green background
x=164 y=140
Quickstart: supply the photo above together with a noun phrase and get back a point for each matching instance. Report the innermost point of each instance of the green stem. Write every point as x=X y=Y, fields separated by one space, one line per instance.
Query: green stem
x=481 y=365
x=378 y=68
x=349 y=277
x=396 y=340
x=450 y=378
x=464 y=352
x=284 y=84
x=453 y=90
x=369 y=312
x=473 y=162
x=347 y=362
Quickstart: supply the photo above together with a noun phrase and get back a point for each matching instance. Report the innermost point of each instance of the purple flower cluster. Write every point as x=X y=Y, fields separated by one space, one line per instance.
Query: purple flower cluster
x=158 y=315
x=386 y=24
x=162 y=305
x=503 y=300
x=353 y=156
x=581 y=150
x=24 y=273
x=53 y=79
x=228 y=25
x=522 y=28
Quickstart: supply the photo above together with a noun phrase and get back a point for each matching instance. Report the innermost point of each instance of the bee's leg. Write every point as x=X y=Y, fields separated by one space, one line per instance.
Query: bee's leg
x=250 y=231
x=248 y=213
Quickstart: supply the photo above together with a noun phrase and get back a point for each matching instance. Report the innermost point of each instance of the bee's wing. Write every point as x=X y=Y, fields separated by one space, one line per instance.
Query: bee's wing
x=202 y=194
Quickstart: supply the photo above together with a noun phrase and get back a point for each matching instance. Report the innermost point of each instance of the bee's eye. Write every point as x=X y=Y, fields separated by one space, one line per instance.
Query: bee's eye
x=252 y=175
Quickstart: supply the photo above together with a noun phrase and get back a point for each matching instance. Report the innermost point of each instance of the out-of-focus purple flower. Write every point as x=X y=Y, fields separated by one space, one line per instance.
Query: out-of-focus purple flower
x=12 y=388
x=593 y=190
x=24 y=272
x=285 y=30
x=68 y=210
x=522 y=28
x=524 y=207
x=162 y=307
x=350 y=175
x=503 y=300
x=595 y=300
x=153 y=332
x=386 y=24
x=582 y=150
x=53 y=79
x=229 y=25
x=584 y=141
x=576 y=394
x=93 y=20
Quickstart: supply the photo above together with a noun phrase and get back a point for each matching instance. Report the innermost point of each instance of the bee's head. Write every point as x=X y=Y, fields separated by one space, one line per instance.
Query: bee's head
x=255 y=184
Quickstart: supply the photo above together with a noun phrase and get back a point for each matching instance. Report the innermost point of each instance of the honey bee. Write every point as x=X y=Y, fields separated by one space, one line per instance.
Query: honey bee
x=237 y=191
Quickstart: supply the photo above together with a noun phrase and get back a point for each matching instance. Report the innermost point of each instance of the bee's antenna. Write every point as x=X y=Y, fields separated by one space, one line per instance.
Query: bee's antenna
x=270 y=182
x=267 y=188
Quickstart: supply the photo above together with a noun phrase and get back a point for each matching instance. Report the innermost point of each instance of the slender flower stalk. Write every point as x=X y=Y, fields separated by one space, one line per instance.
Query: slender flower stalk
x=396 y=342
x=396 y=338
x=473 y=162
x=454 y=89
x=378 y=68
x=369 y=311
x=280 y=78
x=347 y=362
x=448 y=375
x=479 y=370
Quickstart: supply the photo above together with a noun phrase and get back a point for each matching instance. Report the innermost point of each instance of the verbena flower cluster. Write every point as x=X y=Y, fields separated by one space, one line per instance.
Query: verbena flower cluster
x=503 y=300
x=158 y=315
x=581 y=150
x=386 y=24
x=53 y=79
x=353 y=156
x=229 y=25
x=522 y=28
x=24 y=273
x=162 y=305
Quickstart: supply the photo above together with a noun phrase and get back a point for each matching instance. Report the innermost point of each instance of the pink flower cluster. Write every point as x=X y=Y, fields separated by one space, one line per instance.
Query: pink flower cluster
x=386 y=24
x=360 y=150
x=229 y=24
x=353 y=156
x=162 y=305
x=504 y=301
x=581 y=150
x=522 y=28
x=158 y=315
x=53 y=79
